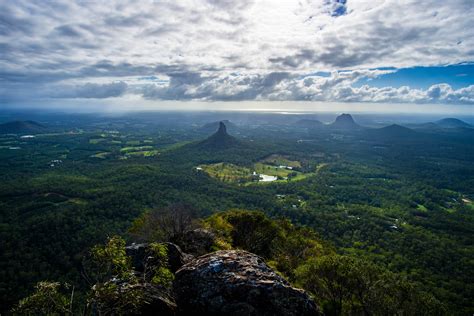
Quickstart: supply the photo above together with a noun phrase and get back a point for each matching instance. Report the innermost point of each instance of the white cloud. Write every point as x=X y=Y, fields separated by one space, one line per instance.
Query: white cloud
x=230 y=50
x=338 y=86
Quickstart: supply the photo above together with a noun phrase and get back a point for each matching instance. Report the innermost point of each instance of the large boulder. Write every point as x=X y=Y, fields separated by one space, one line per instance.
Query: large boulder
x=236 y=282
x=176 y=257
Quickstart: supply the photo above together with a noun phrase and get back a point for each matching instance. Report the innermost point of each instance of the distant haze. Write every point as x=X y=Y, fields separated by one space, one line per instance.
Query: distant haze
x=111 y=106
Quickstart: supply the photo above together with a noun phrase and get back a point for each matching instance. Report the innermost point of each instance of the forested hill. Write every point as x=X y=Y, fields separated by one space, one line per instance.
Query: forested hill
x=184 y=266
x=22 y=127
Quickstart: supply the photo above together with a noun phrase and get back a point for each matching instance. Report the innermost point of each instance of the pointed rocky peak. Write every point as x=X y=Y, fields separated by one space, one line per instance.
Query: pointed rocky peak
x=213 y=126
x=222 y=129
x=220 y=139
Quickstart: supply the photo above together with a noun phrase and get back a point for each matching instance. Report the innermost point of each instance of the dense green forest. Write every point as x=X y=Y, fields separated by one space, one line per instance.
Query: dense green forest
x=402 y=204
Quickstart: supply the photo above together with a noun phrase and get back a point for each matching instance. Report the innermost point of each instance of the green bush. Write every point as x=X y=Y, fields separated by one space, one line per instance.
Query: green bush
x=47 y=299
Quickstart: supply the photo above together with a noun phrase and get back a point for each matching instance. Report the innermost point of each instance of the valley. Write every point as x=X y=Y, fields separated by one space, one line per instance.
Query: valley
x=400 y=202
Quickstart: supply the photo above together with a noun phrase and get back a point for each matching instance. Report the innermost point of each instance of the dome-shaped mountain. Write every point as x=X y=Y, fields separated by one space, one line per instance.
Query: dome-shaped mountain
x=220 y=139
x=452 y=123
x=345 y=122
x=22 y=127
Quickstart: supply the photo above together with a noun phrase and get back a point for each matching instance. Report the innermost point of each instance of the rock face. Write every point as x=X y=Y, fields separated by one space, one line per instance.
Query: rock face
x=236 y=282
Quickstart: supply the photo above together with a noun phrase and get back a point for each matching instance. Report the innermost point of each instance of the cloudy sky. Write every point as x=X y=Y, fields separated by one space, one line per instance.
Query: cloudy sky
x=158 y=51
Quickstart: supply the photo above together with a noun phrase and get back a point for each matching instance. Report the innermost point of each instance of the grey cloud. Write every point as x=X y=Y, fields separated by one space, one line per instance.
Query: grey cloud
x=191 y=86
x=11 y=23
x=91 y=91
x=67 y=30
x=128 y=21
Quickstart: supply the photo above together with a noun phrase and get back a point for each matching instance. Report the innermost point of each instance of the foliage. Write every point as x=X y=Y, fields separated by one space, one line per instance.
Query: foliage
x=160 y=273
x=47 y=299
x=251 y=231
x=111 y=258
x=123 y=293
x=164 y=224
x=112 y=298
x=348 y=286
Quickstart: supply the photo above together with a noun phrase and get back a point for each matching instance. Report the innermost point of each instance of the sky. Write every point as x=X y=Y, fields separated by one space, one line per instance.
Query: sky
x=384 y=54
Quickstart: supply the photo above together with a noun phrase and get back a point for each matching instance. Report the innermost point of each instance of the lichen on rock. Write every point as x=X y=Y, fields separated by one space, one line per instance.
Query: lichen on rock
x=237 y=282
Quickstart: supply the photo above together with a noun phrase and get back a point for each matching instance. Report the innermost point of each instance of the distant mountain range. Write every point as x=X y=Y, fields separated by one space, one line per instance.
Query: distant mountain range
x=22 y=127
x=345 y=122
x=446 y=123
x=342 y=122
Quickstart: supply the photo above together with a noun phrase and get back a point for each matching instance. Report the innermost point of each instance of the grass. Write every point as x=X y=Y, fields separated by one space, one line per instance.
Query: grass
x=133 y=142
x=280 y=160
x=144 y=153
x=421 y=208
x=95 y=141
x=272 y=170
x=77 y=201
x=137 y=148
x=100 y=155
x=227 y=172
x=320 y=166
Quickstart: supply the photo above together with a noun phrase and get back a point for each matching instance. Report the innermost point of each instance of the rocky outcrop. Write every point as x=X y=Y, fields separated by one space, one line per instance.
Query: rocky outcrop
x=226 y=282
x=236 y=282
x=176 y=257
